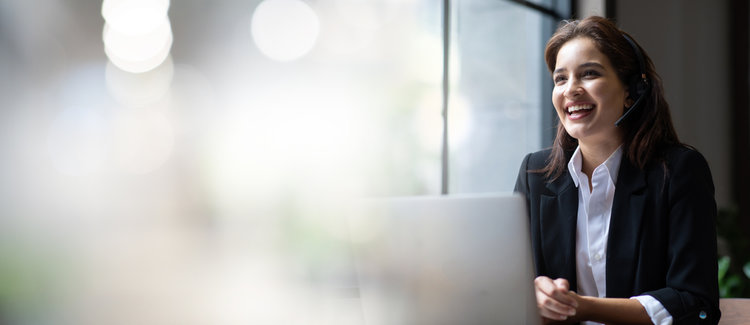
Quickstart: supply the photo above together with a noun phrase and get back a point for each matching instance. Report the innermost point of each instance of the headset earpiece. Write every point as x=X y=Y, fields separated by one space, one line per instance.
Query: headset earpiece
x=638 y=87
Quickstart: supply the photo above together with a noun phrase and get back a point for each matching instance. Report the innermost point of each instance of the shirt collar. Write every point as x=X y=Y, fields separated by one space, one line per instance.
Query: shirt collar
x=574 y=165
x=612 y=164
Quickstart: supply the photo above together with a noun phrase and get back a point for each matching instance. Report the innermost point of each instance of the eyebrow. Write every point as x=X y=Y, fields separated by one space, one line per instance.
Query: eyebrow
x=585 y=65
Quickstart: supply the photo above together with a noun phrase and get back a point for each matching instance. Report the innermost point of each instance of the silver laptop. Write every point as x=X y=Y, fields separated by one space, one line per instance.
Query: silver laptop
x=444 y=260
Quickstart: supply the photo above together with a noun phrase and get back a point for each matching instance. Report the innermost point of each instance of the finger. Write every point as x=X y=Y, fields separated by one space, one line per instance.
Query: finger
x=562 y=292
x=551 y=308
x=565 y=298
x=562 y=284
x=548 y=305
x=547 y=313
x=553 y=318
x=554 y=296
x=557 y=290
x=546 y=285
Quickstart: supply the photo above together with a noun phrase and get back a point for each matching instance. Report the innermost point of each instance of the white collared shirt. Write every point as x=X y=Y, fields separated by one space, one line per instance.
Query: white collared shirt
x=592 y=231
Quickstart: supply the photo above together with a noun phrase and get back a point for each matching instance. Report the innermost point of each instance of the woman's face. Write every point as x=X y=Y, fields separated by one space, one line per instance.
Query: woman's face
x=588 y=96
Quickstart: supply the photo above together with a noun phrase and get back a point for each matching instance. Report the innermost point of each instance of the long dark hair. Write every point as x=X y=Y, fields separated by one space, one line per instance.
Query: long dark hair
x=648 y=129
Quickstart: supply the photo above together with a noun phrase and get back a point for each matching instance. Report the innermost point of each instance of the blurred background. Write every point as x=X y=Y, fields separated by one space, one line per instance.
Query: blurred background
x=194 y=161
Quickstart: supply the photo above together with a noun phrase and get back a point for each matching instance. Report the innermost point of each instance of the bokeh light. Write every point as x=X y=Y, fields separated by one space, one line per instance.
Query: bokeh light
x=134 y=17
x=201 y=172
x=137 y=34
x=284 y=30
x=139 y=53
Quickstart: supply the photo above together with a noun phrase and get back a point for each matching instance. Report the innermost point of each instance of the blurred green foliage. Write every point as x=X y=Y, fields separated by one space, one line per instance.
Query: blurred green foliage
x=732 y=285
x=734 y=256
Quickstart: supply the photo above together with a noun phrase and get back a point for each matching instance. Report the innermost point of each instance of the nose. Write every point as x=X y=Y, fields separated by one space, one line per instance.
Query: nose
x=573 y=89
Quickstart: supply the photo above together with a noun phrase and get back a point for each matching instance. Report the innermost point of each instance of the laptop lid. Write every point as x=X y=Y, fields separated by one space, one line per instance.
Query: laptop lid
x=444 y=260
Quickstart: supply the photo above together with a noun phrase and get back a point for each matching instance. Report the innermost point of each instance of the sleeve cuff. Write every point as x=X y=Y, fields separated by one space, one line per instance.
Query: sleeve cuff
x=655 y=310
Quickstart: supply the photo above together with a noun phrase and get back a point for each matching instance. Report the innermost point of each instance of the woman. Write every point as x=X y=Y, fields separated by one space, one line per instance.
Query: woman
x=622 y=217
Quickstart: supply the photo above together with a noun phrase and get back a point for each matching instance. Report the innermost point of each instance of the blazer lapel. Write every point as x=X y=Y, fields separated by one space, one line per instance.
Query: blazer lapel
x=624 y=229
x=559 y=212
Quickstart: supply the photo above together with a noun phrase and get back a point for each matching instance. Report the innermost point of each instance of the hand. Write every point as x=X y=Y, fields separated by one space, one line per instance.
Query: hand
x=554 y=298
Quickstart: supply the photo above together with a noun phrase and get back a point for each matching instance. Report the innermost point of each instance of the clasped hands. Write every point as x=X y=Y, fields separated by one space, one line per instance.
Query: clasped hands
x=555 y=300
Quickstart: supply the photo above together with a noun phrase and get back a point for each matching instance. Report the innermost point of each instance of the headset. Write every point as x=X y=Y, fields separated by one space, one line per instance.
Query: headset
x=639 y=86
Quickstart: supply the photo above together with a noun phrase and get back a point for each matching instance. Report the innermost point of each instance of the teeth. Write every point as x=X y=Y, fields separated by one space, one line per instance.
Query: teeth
x=576 y=108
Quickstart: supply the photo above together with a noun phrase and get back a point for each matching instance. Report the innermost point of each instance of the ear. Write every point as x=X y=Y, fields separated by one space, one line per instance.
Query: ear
x=628 y=100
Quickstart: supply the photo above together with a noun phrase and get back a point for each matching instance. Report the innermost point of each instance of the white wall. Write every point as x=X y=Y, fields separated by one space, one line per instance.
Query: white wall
x=689 y=44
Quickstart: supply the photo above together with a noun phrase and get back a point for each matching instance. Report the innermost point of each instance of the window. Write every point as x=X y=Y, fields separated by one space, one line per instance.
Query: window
x=498 y=101
x=500 y=98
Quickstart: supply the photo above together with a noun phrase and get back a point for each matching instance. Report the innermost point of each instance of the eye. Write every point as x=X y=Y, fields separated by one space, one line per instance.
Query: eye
x=559 y=79
x=590 y=73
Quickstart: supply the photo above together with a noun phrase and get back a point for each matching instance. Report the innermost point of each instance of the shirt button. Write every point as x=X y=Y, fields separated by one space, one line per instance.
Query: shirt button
x=702 y=314
x=597 y=257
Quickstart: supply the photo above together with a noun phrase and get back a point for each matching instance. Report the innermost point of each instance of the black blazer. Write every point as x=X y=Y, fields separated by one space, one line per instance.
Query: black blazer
x=662 y=235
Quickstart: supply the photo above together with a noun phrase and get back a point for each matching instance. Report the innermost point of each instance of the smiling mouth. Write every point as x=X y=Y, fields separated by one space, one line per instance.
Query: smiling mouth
x=579 y=111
